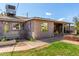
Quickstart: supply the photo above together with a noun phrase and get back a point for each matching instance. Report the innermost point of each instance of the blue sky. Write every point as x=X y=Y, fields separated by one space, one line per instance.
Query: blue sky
x=57 y=11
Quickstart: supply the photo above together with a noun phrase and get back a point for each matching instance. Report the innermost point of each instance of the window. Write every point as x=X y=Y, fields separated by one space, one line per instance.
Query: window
x=44 y=27
x=6 y=27
x=16 y=26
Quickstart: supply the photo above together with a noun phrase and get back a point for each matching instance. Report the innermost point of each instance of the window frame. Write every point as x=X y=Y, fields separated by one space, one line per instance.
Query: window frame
x=42 y=25
x=15 y=24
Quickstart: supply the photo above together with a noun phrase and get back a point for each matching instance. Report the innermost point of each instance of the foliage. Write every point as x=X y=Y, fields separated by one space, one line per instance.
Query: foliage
x=56 y=32
x=76 y=23
x=4 y=38
x=32 y=39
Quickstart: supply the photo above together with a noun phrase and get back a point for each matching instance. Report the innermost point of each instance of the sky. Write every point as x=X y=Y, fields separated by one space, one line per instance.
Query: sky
x=58 y=11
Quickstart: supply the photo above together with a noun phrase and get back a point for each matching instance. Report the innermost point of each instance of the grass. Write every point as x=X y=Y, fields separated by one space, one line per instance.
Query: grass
x=55 y=49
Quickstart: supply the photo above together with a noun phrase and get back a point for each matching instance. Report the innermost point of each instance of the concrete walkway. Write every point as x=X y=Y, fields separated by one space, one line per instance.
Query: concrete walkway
x=26 y=45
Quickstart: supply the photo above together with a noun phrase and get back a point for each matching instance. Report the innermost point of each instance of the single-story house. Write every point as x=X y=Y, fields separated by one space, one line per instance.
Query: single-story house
x=36 y=27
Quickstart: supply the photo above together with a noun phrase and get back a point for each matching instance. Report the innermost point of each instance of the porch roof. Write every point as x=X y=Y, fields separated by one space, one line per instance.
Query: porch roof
x=24 y=19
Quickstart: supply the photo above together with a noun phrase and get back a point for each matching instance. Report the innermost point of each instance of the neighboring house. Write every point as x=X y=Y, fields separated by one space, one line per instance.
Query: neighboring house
x=36 y=27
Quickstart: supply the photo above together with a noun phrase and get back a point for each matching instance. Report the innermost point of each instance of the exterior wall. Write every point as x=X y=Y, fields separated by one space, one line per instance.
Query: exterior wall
x=36 y=29
x=1 y=29
x=11 y=33
x=32 y=29
x=27 y=29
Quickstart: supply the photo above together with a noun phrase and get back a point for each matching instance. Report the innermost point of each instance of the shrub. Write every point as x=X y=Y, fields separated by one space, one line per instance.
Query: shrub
x=32 y=39
x=4 y=38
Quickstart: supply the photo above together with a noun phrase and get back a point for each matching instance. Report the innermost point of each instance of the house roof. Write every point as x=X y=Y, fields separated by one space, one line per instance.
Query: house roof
x=48 y=19
x=23 y=19
x=13 y=19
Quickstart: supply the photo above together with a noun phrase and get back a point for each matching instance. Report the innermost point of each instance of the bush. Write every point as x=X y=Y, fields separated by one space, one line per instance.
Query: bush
x=32 y=39
x=4 y=38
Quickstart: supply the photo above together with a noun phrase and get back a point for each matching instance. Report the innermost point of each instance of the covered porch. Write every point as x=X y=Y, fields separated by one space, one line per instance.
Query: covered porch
x=62 y=28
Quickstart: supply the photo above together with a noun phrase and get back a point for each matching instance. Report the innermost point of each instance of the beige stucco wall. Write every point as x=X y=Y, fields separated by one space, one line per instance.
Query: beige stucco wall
x=36 y=29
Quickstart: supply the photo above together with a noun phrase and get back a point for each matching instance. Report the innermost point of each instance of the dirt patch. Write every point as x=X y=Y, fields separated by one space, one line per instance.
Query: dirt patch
x=71 y=37
x=71 y=42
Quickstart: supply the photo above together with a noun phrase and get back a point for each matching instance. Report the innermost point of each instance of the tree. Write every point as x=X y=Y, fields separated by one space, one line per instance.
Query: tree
x=76 y=23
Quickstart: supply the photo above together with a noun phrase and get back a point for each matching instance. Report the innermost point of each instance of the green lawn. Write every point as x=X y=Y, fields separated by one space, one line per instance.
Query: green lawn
x=55 y=49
